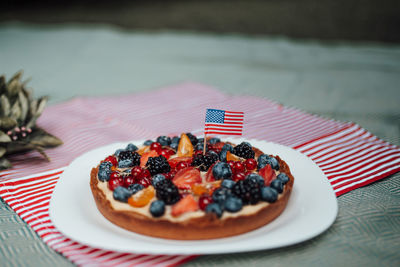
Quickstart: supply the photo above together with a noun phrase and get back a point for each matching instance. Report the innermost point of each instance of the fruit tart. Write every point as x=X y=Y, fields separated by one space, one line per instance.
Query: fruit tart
x=169 y=188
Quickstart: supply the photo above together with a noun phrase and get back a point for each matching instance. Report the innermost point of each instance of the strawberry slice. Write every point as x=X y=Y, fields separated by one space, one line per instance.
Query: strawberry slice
x=186 y=204
x=146 y=156
x=175 y=161
x=209 y=174
x=185 y=178
x=268 y=174
x=185 y=147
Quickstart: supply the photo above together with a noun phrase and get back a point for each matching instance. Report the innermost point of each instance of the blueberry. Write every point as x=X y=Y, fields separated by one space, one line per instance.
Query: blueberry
x=256 y=179
x=157 y=178
x=174 y=146
x=227 y=147
x=134 y=188
x=200 y=146
x=214 y=140
x=131 y=147
x=121 y=194
x=265 y=159
x=247 y=143
x=157 y=208
x=221 y=170
x=214 y=208
x=233 y=204
x=222 y=155
x=226 y=183
x=125 y=163
x=220 y=194
x=269 y=194
x=104 y=174
x=175 y=140
x=148 y=142
x=283 y=177
x=278 y=185
x=105 y=165
x=116 y=153
x=164 y=140
x=200 y=140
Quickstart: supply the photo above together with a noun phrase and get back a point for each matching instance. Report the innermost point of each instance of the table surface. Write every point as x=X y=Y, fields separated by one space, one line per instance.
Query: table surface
x=343 y=81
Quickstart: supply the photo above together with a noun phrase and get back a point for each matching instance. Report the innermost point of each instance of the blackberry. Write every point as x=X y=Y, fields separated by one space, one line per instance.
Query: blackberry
x=128 y=159
x=244 y=150
x=193 y=139
x=158 y=165
x=167 y=192
x=247 y=190
x=204 y=161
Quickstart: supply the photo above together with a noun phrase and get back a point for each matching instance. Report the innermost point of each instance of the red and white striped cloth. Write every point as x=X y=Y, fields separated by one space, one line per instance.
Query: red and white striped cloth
x=349 y=155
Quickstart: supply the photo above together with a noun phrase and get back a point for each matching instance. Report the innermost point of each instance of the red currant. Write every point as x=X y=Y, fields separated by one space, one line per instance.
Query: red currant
x=115 y=182
x=137 y=173
x=112 y=159
x=238 y=167
x=204 y=200
x=182 y=165
x=156 y=146
x=129 y=180
x=250 y=164
x=169 y=175
x=238 y=176
x=231 y=164
x=114 y=175
x=145 y=181
x=146 y=174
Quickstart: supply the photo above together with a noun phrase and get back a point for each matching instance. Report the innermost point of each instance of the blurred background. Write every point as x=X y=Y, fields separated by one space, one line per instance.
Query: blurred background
x=355 y=20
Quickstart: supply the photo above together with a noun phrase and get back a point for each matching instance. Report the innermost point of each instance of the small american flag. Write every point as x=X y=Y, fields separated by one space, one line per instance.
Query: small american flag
x=223 y=122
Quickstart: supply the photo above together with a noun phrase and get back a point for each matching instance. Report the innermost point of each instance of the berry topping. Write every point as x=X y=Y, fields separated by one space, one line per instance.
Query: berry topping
x=129 y=180
x=250 y=164
x=121 y=194
x=233 y=204
x=182 y=165
x=145 y=181
x=142 y=198
x=238 y=176
x=112 y=159
x=227 y=183
x=175 y=161
x=204 y=200
x=222 y=170
x=283 y=177
x=166 y=153
x=193 y=139
x=167 y=192
x=175 y=140
x=115 y=182
x=185 y=147
x=268 y=174
x=157 y=208
x=134 y=188
x=137 y=173
x=204 y=161
x=214 y=208
x=254 y=177
x=157 y=178
x=184 y=179
x=186 y=204
x=164 y=140
x=214 y=140
x=118 y=151
x=104 y=171
x=220 y=195
x=277 y=185
x=269 y=194
x=244 y=150
x=265 y=159
x=128 y=159
x=238 y=167
x=131 y=147
x=148 y=142
x=156 y=146
x=157 y=165
x=247 y=190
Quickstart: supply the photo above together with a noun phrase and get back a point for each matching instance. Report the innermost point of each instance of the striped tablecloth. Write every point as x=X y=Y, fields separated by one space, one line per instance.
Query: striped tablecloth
x=349 y=155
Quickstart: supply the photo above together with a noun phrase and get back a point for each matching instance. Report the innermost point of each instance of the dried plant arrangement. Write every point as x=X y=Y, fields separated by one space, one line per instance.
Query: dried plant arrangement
x=18 y=114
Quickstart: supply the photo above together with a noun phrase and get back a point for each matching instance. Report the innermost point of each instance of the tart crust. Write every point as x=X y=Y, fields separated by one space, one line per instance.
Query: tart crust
x=205 y=227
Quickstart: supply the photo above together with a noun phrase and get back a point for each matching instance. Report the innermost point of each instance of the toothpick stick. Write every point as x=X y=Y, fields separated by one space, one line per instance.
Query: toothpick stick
x=205 y=142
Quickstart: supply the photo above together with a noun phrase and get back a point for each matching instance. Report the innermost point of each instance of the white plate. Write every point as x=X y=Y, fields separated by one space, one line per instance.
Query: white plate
x=312 y=208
